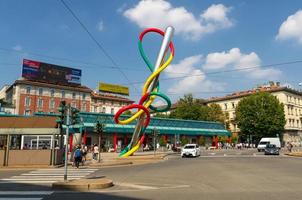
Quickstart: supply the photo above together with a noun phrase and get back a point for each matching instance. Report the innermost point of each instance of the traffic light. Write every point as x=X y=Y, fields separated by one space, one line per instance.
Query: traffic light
x=74 y=116
x=99 y=127
x=62 y=113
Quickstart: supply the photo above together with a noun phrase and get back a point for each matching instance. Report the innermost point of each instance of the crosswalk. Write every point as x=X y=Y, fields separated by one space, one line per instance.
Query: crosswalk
x=24 y=195
x=47 y=176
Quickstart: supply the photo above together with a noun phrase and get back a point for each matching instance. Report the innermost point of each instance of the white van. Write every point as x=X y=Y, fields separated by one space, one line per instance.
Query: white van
x=264 y=141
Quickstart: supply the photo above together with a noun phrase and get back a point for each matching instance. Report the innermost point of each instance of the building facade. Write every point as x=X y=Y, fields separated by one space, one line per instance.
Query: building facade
x=291 y=99
x=106 y=103
x=30 y=97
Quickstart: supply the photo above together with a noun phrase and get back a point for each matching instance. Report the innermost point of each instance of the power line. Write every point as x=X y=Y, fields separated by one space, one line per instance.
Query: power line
x=101 y=48
x=227 y=71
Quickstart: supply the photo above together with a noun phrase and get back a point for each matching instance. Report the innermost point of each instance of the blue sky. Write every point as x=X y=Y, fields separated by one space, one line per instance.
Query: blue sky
x=211 y=37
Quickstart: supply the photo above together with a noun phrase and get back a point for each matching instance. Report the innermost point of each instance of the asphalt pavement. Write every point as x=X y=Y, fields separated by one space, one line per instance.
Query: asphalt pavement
x=223 y=174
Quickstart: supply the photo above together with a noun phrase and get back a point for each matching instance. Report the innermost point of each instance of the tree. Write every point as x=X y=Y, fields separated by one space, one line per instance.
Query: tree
x=215 y=113
x=260 y=115
x=187 y=108
x=196 y=109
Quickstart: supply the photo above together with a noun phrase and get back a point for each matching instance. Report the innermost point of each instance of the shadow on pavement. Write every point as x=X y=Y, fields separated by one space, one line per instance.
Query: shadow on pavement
x=45 y=192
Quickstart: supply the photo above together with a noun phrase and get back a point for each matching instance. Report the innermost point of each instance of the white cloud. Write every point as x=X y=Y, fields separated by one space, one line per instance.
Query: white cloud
x=17 y=48
x=217 y=13
x=235 y=59
x=159 y=13
x=190 y=77
x=100 y=26
x=291 y=28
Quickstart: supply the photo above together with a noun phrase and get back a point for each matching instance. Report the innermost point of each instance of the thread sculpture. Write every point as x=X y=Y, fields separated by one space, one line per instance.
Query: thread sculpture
x=151 y=90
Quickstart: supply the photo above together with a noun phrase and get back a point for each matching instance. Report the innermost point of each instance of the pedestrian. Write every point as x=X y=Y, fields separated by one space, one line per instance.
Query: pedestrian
x=289 y=146
x=77 y=156
x=84 y=153
x=95 y=152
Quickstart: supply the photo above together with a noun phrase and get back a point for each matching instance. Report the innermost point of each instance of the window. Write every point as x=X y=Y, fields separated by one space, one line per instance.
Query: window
x=40 y=103
x=95 y=109
x=84 y=96
x=112 y=110
x=295 y=100
x=40 y=91
x=27 y=112
x=298 y=123
x=288 y=108
x=63 y=94
x=52 y=92
x=73 y=95
x=83 y=107
x=225 y=106
x=296 y=112
x=52 y=104
x=287 y=98
x=233 y=105
x=27 y=101
x=27 y=90
x=104 y=110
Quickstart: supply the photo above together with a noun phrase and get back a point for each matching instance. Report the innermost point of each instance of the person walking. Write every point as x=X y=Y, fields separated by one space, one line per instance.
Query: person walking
x=95 y=152
x=77 y=156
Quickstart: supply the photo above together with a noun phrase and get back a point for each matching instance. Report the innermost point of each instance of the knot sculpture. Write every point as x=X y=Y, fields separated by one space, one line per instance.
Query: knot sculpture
x=151 y=90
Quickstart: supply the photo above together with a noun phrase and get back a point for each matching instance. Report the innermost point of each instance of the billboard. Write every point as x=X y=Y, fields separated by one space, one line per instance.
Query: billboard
x=111 y=88
x=36 y=70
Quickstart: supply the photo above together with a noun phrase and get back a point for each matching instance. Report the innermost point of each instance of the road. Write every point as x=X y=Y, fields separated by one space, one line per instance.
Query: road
x=230 y=174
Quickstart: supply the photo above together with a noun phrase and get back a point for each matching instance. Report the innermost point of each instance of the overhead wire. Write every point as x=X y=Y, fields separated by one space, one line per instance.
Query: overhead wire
x=100 y=47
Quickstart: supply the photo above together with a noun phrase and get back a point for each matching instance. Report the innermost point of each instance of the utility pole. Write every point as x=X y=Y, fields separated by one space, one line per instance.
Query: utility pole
x=99 y=128
x=66 y=141
x=154 y=141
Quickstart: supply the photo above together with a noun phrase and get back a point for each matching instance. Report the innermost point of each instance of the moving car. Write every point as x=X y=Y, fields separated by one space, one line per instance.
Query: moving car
x=271 y=149
x=265 y=141
x=190 y=150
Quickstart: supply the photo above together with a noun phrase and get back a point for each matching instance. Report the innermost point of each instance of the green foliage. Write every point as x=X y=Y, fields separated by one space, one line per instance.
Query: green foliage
x=127 y=112
x=260 y=115
x=222 y=139
x=184 y=140
x=195 y=109
x=234 y=139
x=201 y=141
x=162 y=142
x=187 y=108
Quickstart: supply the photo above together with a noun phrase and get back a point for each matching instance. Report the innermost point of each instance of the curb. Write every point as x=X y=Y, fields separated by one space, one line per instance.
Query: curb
x=83 y=184
x=110 y=164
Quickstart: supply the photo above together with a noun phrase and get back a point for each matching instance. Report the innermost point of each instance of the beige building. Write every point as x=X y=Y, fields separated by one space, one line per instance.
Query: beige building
x=291 y=99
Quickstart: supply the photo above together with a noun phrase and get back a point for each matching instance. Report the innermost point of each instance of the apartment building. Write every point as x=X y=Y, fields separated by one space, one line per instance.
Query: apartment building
x=28 y=96
x=107 y=103
x=291 y=99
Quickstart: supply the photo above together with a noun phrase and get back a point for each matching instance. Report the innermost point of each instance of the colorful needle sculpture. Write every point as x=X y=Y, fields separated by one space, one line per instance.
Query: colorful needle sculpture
x=150 y=91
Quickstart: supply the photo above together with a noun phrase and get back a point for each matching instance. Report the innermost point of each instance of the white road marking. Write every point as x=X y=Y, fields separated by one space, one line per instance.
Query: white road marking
x=14 y=198
x=47 y=176
x=26 y=192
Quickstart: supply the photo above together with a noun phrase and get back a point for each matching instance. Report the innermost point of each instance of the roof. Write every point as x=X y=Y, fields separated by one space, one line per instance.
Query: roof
x=28 y=122
x=80 y=88
x=163 y=125
x=110 y=97
x=253 y=91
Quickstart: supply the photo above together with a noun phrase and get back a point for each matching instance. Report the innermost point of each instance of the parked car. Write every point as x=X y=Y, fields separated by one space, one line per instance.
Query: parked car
x=271 y=149
x=190 y=150
x=265 y=141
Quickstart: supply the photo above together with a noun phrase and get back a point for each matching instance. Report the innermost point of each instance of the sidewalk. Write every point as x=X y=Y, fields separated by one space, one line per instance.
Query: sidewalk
x=113 y=159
